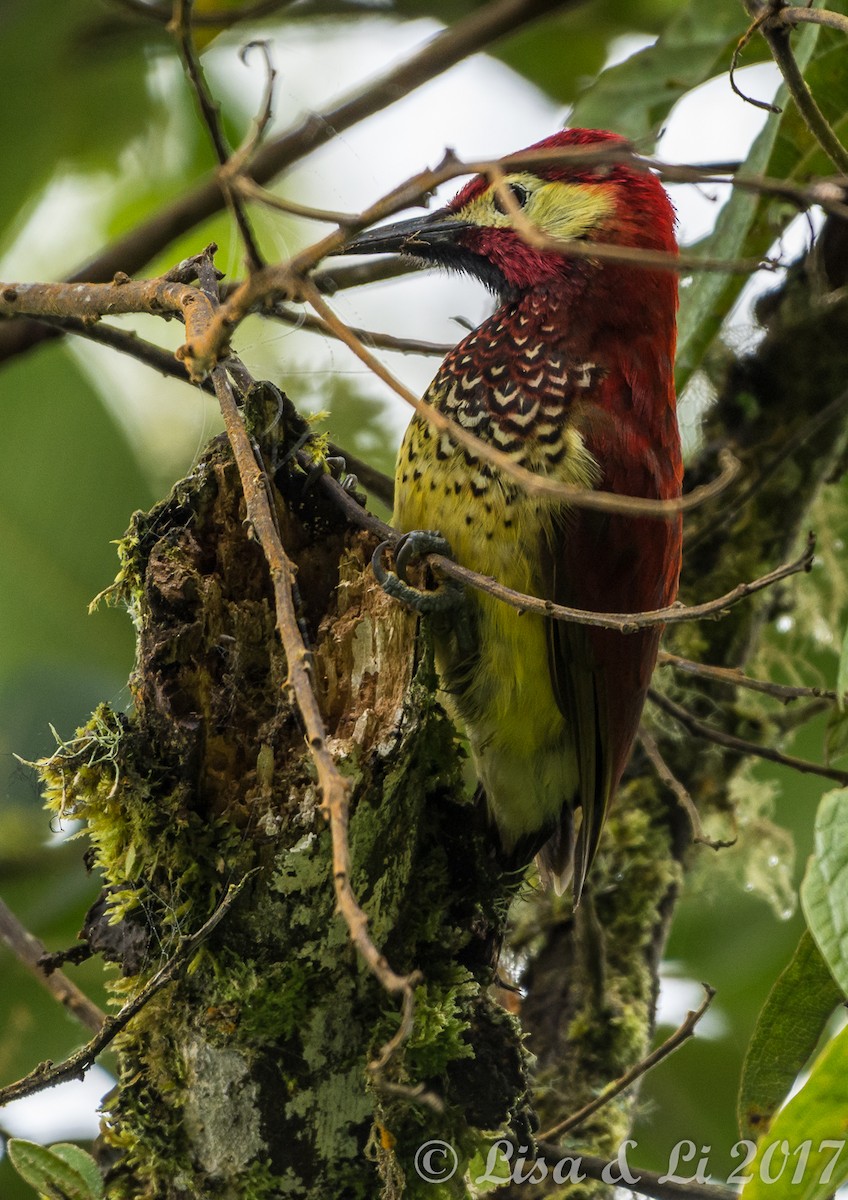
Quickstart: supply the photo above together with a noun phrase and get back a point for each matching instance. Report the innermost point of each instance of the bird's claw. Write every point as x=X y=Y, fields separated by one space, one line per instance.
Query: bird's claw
x=449 y=595
x=416 y=545
x=335 y=466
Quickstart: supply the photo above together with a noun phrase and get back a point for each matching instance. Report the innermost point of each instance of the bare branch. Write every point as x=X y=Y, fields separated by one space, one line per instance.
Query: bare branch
x=369 y=337
x=681 y=794
x=647 y=1183
x=740 y=745
x=734 y=65
x=210 y=112
x=815 y=16
x=356 y=275
x=90 y=301
x=49 y=1074
x=770 y=22
x=30 y=951
x=829 y=194
x=675 y=614
x=252 y=191
x=734 y=677
x=352 y=275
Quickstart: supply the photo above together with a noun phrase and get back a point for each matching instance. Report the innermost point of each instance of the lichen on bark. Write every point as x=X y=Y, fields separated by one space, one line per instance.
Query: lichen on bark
x=249 y=1076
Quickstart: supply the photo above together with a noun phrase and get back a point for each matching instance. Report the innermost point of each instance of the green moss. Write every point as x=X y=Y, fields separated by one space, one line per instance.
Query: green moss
x=442 y=1020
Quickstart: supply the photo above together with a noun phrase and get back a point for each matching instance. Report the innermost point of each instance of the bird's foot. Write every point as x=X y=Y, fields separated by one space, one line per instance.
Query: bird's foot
x=415 y=545
x=336 y=467
x=448 y=596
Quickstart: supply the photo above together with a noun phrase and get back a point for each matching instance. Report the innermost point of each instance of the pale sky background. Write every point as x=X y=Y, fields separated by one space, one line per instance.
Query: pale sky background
x=479 y=108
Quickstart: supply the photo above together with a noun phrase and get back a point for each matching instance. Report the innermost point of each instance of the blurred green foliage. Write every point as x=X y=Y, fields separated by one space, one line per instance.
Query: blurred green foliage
x=83 y=98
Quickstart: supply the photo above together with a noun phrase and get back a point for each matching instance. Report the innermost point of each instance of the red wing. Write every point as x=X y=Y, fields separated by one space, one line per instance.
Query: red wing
x=610 y=563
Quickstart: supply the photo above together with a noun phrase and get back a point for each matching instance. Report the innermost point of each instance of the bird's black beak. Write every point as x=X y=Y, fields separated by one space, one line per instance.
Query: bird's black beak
x=422 y=237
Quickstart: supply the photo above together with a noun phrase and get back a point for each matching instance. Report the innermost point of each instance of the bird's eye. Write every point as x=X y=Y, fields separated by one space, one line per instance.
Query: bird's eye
x=519 y=193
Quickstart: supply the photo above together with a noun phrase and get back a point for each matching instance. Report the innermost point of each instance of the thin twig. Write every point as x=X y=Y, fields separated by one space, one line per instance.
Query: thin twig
x=28 y=950
x=353 y=275
x=252 y=191
x=776 y=31
x=681 y=793
x=672 y=1043
x=756 y=24
x=232 y=169
x=210 y=112
x=829 y=194
x=815 y=16
x=741 y=745
x=49 y=1074
x=335 y=788
x=734 y=677
x=646 y=1183
x=369 y=337
x=675 y=614
x=814 y=118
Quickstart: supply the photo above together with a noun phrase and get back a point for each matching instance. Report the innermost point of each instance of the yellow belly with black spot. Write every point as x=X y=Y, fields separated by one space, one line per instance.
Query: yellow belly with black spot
x=522 y=749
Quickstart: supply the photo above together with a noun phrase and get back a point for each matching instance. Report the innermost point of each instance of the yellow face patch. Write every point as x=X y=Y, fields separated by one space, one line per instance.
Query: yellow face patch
x=560 y=210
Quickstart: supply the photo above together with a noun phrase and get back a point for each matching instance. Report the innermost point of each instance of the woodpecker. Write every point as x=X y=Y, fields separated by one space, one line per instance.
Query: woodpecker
x=572 y=378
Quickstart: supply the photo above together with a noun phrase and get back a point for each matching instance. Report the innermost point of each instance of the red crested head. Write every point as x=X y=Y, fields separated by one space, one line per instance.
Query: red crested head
x=580 y=197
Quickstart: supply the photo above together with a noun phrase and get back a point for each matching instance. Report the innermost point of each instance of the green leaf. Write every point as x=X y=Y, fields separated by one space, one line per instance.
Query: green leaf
x=824 y=891
x=787 y=1032
x=803 y=1155
x=82 y=1162
x=836 y=736
x=61 y=1172
x=842 y=673
x=635 y=97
